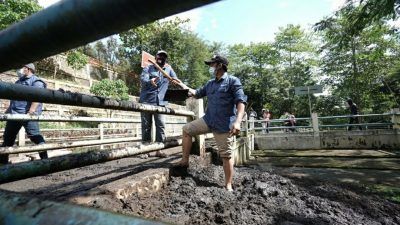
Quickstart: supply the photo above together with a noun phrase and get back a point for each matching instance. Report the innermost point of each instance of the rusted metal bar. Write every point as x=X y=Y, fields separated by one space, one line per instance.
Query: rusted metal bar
x=73 y=144
x=18 y=209
x=26 y=117
x=51 y=118
x=72 y=23
x=11 y=172
x=22 y=92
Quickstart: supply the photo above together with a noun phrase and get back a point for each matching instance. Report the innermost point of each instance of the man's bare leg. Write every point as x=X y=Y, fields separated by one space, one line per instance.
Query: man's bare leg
x=186 y=147
x=228 y=170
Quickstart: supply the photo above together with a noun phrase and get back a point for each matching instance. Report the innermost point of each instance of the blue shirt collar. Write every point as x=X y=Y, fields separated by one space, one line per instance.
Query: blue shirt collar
x=222 y=78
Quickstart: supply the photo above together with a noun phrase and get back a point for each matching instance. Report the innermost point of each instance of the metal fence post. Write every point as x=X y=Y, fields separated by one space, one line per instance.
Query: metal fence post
x=101 y=133
x=314 y=122
x=153 y=129
x=396 y=118
x=21 y=137
x=246 y=125
x=315 y=125
x=252 y=125
x=196 y=105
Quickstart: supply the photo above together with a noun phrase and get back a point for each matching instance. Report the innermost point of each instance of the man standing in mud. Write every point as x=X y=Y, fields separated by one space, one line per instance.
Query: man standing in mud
x=154 y=86
x=225 y=110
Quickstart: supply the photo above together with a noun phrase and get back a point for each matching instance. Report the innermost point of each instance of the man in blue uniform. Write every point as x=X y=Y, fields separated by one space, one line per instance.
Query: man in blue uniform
x=225 y=110
x=26 y=77
x=153 y=88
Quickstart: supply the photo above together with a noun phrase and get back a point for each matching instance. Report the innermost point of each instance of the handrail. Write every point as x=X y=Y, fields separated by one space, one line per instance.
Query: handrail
x=26 y=117
x=280 y=120
x=387 y=124
x=358 y=115
x=83 y=22
x=73 y=144
x=357 y=124
x=27 y=93
x=18 y=209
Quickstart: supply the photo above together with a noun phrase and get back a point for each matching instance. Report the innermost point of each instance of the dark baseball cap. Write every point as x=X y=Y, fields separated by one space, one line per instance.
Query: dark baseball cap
x=217 y=59
x=162 y=52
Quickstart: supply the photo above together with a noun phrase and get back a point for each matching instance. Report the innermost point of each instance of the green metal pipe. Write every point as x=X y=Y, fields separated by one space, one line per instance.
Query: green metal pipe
x=17 y=209
x=31 y=94
x=72 y=23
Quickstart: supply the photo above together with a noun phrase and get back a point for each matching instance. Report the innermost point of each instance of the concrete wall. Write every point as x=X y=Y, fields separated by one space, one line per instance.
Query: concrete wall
x=365 y=139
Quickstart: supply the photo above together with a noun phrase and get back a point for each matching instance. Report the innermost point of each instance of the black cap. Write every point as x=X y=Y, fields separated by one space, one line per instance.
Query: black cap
x=162 y=52
x=217 y=59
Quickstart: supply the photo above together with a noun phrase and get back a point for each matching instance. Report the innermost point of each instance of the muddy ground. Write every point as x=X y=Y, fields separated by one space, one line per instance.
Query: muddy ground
x=260 y=197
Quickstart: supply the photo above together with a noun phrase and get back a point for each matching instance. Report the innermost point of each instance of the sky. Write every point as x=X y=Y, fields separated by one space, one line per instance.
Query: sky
x=246 y=21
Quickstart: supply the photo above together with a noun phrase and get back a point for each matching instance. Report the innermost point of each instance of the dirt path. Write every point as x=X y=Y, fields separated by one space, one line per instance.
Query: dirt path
x=260 y=197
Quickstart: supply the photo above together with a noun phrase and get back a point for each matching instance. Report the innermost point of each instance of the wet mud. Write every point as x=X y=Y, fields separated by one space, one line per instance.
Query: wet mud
x=259 y=197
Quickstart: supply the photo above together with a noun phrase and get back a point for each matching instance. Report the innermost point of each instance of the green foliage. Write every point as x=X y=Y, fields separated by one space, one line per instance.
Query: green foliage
x=270 y=71
x=112 y=89
x=12 y=11
x=357 y=63
x=370 y=11
x=186 y=51
x=77 y=59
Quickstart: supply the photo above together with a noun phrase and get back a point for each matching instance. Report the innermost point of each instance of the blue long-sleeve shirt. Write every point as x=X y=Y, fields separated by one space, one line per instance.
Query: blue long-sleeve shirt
x=223 y=96
x=20 y=106
x=150 y=94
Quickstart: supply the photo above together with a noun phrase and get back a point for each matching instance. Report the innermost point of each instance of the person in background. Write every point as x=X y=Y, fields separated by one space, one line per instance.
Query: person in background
x=286 y=121
x=153 y=88
x=27 y=77
x=252 y=114
x=292 y=122
x=266 y=117
x=353 y=111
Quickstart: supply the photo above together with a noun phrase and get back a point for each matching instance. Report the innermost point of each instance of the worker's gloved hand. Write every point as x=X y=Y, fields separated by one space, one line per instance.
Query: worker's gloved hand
x=154 y=81
x=192 y=92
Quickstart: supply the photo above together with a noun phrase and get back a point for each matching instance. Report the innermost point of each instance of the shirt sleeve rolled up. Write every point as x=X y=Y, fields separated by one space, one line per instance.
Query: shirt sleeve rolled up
x=237 y=90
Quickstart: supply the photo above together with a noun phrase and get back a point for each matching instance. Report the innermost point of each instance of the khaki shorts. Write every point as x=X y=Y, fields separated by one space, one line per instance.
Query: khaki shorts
x=224 y=142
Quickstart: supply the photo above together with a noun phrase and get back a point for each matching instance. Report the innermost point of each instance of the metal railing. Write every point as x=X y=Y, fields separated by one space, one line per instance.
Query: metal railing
x=89 y=140
x=369 y=121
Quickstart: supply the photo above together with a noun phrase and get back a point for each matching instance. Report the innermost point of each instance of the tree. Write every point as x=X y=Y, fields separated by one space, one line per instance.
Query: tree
x=357 y=62
x=76 y=59
x=269 y=71
x=115 y=89
x=292 y=42
x=371 y=11
x=186 y=51
x=12 y=11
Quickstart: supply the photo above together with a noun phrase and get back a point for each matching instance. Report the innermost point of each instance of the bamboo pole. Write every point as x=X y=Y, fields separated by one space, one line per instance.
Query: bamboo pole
x=72 y=23
x=32 y=94
x=11 y=172
x=73 y=144
x=18 y=209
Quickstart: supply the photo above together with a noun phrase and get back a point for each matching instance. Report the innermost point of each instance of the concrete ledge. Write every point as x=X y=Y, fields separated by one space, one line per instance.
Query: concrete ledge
x=364 y=139
x=151 y=180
